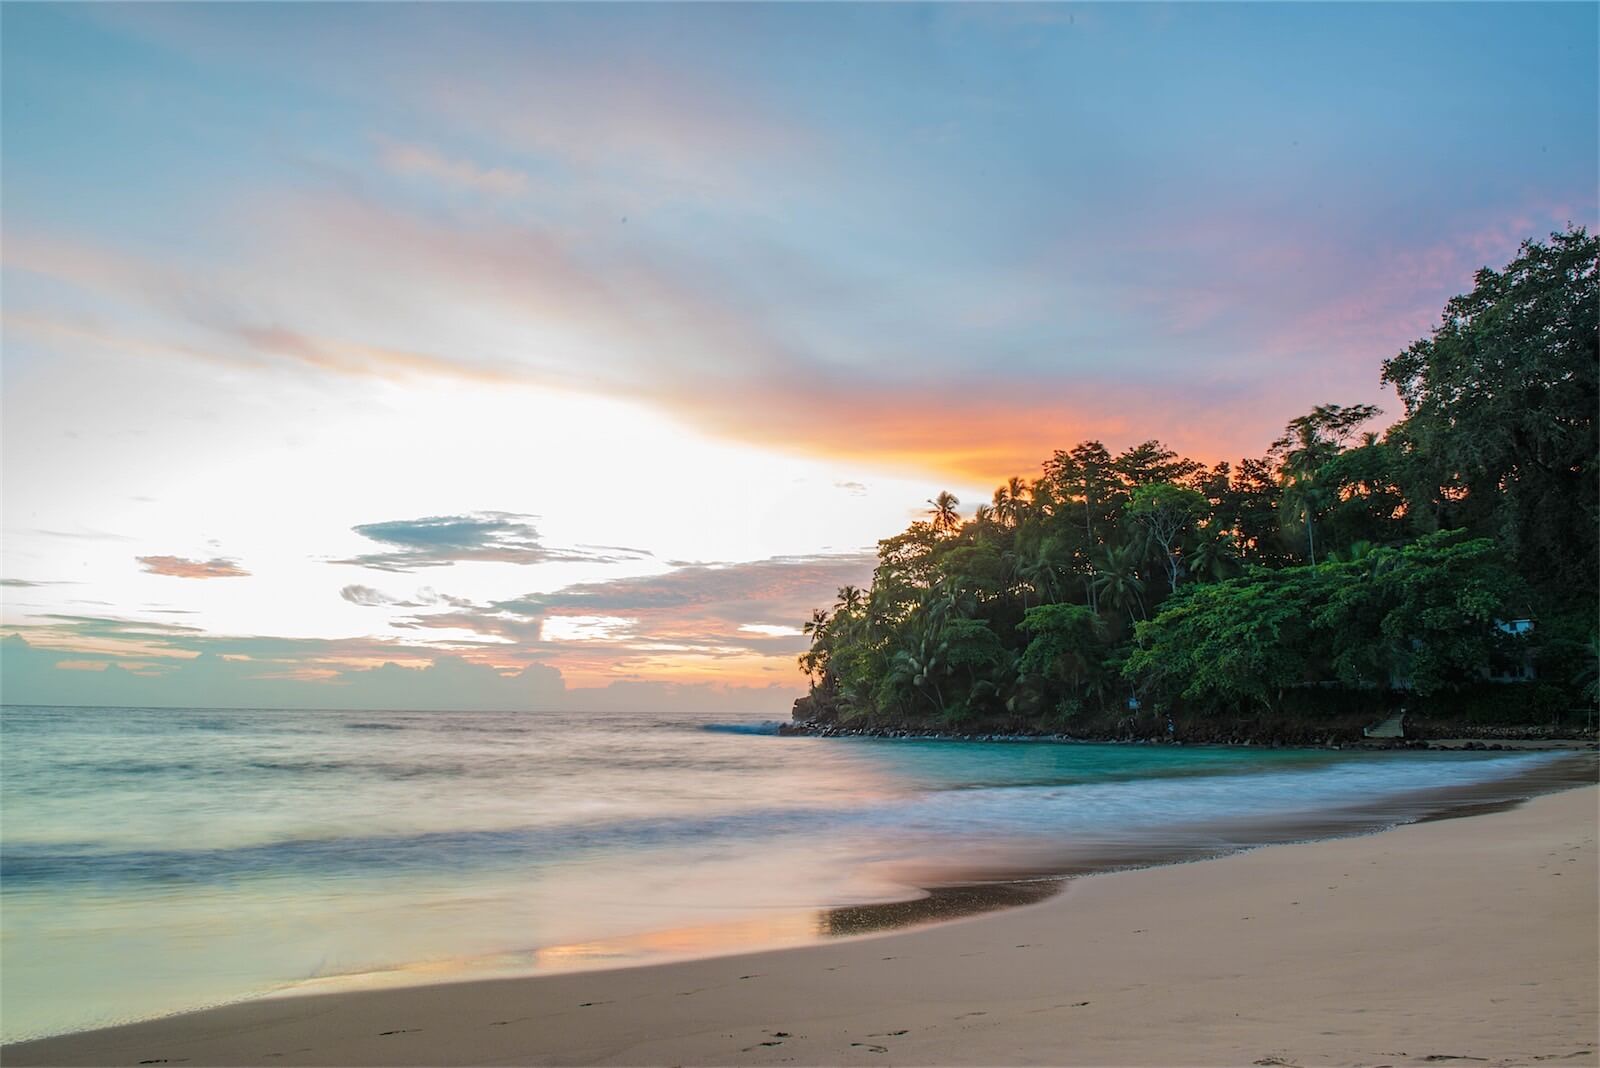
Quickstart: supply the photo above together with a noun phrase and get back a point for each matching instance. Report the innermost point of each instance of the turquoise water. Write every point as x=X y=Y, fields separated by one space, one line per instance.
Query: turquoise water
x=153 y=860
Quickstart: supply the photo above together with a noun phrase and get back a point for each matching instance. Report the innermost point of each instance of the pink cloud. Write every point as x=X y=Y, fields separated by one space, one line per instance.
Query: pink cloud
x=182 y=567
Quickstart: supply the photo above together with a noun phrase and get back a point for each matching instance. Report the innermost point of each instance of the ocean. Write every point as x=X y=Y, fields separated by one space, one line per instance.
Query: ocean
x=156 y=860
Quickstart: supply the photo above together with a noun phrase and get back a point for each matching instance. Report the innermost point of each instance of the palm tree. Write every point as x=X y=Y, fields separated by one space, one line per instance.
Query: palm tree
x=1010 y=501
x=814 y=626
x=1041 y=570
x=921 y=666
x=1215 y=557
x=946 y=519
x=1117 y=579
x=850 y=598
x=1302 y=498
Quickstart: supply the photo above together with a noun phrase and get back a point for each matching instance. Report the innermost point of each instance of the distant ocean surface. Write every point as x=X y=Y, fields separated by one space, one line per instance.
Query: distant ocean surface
x=154 y=860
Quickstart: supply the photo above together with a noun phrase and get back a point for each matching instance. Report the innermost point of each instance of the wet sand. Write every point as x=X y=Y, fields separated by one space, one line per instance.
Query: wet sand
x=1466 y=941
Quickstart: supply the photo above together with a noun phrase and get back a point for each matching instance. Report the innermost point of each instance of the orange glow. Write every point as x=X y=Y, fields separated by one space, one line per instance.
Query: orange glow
x=691 y=941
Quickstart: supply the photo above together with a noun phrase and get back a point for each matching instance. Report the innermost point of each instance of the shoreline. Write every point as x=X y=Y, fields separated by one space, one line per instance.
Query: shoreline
x=1489 y=739
x=298 y=1014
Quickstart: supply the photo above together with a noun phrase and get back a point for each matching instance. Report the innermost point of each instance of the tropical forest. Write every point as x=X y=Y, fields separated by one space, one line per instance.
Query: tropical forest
x=1444 y=564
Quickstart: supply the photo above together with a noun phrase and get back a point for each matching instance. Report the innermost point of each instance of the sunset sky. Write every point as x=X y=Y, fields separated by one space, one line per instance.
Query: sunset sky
x=555 y=356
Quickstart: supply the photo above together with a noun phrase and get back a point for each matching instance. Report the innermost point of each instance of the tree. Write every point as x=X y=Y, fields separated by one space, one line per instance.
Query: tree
x=814 y=660
x=1423 y=615
x=1307 y=444
x=1500 y=407
x=1066 y=647
x=1117 y=582
x=946 y=520
x=1086 y=473
x=1150 y=462
x=1223 y=645
x=1365 y=501
x=1215 y=555
x=1040 y=570
x=1166 y=511
x=1010 y=501
x=1248 y=507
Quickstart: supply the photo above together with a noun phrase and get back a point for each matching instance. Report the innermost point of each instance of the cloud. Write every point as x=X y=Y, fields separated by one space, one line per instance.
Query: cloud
x=365 y=596
x=403 y=158
x=37 y=674
x=368 y=597
x=895 y=373
x=183 y=567
x=478 y=537
x=744 y=615
x=1141 y=292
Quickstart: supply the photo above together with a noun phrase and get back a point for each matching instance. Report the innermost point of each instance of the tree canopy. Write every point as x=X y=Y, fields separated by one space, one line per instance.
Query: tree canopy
x=1340 y=558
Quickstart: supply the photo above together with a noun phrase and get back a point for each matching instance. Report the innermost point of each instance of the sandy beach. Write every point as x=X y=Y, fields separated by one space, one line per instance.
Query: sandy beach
x=1464 y=941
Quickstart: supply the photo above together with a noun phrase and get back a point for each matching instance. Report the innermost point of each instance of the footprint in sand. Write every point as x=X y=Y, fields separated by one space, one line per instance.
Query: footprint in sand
x=590 y=1004
x=871 y=1047
x=758 y=1045
x=889 y=1034
x=756 y=976
x=401 y=1031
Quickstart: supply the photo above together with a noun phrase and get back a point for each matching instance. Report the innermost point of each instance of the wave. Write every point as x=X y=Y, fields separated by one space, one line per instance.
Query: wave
x=930 y=822
x=765 y=727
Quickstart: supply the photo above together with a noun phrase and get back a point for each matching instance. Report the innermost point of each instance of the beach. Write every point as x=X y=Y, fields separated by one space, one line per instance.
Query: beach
x=1469 y=940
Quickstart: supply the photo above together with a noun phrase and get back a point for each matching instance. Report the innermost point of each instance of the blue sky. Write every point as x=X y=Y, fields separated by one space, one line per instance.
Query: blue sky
x=708 y=297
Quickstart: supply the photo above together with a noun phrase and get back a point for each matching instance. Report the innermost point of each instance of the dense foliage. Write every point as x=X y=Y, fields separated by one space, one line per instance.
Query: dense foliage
x=1341 y=559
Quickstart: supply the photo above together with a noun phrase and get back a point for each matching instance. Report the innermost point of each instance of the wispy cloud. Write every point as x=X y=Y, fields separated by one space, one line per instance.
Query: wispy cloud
x=368 y=597
x=183 y=567
x=477 y=537
x=413 y=159
x=695 y=610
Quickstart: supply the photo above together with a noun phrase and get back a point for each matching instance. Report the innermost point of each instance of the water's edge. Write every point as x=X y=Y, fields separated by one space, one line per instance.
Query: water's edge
x=978 y=891
x=957 y=894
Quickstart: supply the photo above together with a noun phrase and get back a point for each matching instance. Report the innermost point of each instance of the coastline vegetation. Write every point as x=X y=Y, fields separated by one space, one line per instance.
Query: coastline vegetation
x=1448 y=562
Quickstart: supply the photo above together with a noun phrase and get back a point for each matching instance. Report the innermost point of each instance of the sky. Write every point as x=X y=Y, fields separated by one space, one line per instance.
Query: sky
x=549 y=356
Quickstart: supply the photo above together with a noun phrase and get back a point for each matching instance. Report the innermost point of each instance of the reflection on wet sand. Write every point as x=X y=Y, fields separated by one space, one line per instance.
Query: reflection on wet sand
x=997 y=879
